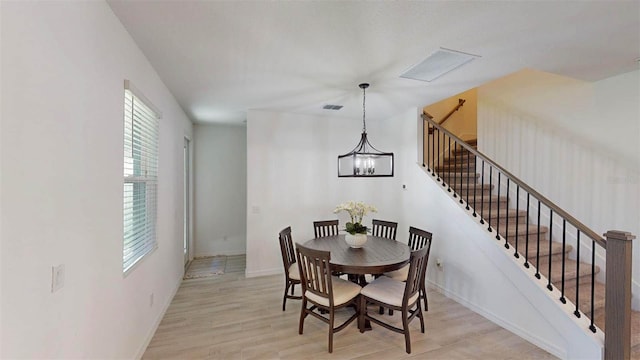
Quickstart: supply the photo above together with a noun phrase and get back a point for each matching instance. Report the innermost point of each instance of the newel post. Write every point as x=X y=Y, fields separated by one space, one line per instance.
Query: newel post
x=617 y=343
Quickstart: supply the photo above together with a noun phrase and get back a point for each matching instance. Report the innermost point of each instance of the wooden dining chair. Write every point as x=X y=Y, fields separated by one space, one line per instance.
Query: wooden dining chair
x=323 y=290
x=397 y=295
x=418 y=239
x=384 y=229
x=325 y=228
x=291 y=271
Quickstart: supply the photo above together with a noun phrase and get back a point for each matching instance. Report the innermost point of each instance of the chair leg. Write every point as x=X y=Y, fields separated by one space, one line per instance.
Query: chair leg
x=424 y=298
x=361 y=314
x=303 y=310
x=381 y=310
x=292 y=288
x=331 y=318
x=421 y=316
x=405 y=326
x=284 y=298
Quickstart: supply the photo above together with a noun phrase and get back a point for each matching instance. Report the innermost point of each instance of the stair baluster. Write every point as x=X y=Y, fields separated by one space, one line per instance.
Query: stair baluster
x=506 y=226
x=482 y=196
x=498 y=227
x=515 y=250
x=564 y=247
x=577 y=312
x=491 y=186
x=550 y=251
x=538 y=244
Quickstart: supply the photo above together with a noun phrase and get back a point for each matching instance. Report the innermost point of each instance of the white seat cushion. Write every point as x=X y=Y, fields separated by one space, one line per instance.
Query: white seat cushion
x=400 y=274
x=294 y=272
x=388 y=291
x=343 y=291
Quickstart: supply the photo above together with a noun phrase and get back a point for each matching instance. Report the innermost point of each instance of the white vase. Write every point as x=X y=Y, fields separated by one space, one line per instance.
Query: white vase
x=356 y=240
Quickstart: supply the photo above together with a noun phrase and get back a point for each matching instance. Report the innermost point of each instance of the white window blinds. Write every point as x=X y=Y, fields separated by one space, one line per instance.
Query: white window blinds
x=140 y=177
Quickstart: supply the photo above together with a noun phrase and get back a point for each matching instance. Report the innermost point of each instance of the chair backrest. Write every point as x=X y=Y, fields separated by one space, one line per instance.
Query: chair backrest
x=287 y=249
x=385 y=229
x=418 y=238
x=325 y=228
x=417 y=269
x=315 y=272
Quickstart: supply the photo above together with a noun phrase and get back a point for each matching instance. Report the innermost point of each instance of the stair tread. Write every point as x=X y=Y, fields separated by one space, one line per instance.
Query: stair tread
x=484 y=198
x=455 y=165
x=457 y=173
x=511 y=212
x=474 y=185
x=463 y=150
x=584 y=297
x=458 y=157
x=570 y=270
x=556 y=248
x=522 y=229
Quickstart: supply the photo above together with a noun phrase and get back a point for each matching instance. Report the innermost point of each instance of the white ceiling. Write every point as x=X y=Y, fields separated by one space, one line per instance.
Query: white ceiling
x=222 y=58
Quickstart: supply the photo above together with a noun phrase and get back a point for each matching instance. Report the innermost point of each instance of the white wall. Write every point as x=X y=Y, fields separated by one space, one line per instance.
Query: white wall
x=220 y=194
x=292 y=179
x=574 y=142
x=63 y=68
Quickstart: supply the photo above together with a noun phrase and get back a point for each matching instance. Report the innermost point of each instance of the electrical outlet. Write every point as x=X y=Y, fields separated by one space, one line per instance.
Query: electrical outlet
x=57 y=277
x=151 y=300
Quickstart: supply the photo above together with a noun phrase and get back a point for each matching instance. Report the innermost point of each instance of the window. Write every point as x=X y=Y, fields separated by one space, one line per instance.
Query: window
x=140 y=177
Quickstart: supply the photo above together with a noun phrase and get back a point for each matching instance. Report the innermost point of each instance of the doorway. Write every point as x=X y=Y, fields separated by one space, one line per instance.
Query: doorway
x=187 y=201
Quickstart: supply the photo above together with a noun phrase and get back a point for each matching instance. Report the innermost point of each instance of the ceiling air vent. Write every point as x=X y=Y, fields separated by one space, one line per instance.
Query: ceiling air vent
x=438 y=64
x=332 y=107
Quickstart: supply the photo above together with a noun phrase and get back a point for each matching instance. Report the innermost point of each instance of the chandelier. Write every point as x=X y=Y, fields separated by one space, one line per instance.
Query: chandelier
x=365 y=160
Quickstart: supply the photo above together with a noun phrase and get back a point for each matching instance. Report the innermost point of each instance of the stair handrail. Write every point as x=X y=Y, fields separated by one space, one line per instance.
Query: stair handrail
x=550 y=204
x=446 y=117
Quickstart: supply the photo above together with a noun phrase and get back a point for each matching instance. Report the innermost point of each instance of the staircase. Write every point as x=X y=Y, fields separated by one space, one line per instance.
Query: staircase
x=457 y=169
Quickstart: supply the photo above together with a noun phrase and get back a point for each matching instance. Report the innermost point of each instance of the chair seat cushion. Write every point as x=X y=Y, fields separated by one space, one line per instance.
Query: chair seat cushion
x=343 y=291
x=400 y=274
x=294 y=272
x=388 y=291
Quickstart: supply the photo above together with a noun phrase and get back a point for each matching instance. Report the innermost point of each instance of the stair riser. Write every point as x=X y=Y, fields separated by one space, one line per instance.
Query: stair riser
x=464 y=166
x=522 y=220
x=461 y=151
x=458 y=175
x=460 y=159
x=556 y=258
x=522 y=239
x=584 y=279
x=479 y=193
x=483 y=208
x=486 y=193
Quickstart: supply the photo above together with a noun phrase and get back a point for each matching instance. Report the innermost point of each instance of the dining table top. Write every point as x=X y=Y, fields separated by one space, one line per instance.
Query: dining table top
x=378 y=255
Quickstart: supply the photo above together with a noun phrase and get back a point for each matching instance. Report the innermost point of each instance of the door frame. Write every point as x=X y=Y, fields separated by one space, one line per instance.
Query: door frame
x=187 y=193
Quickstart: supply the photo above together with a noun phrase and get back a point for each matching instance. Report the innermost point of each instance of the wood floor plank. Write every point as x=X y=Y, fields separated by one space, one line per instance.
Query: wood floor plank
x=231 y=317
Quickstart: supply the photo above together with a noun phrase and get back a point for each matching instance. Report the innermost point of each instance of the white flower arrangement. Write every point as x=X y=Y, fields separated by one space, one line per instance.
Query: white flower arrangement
x=357 y=210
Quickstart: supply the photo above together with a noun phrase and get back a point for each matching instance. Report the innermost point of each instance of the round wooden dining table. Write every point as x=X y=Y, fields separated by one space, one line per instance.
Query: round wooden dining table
x=376 y=256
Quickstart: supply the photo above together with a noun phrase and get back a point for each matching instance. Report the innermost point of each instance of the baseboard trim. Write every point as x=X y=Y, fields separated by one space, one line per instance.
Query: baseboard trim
x=268 y=272
x=225 y=253
x=155 y=326
x=554 y=350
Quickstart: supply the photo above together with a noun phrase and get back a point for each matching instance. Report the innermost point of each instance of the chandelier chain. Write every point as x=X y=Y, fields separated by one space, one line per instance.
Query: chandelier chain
x=364 y=123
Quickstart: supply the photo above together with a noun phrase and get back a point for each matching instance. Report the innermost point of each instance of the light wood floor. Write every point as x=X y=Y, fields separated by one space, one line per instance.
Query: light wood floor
x=231 y=317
